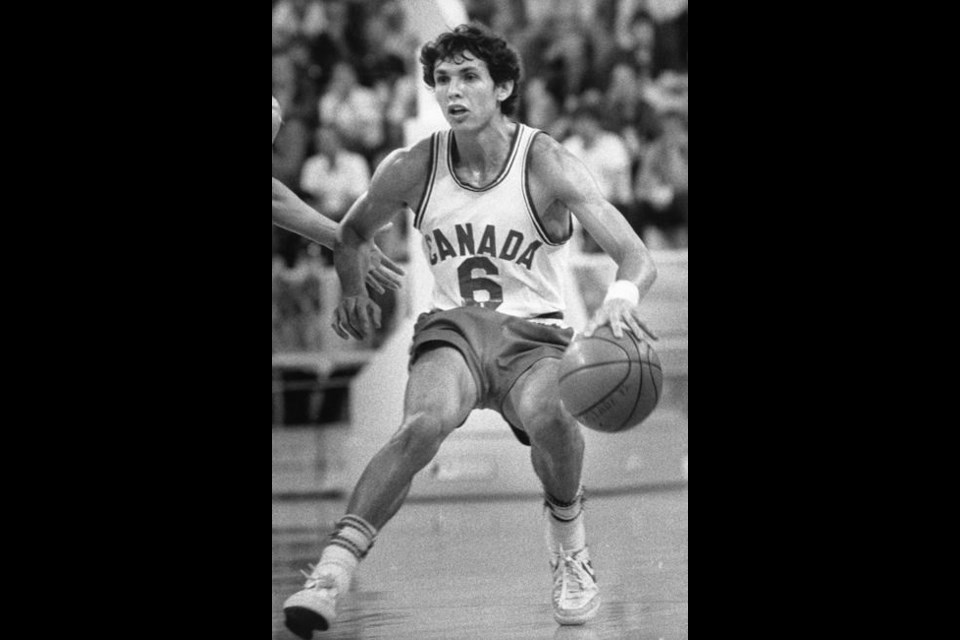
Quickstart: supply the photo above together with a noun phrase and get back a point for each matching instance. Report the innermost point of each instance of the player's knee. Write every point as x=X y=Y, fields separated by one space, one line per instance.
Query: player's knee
x=421 y=435
x=548 y=424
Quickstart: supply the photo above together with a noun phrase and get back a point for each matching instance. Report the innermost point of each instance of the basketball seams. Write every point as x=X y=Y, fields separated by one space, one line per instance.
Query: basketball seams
x=656 y=392
x=612 y=391
x=616 y=386
x=597 y=364
x=606 y=362
x=636 y=400
x=592 y=366
x=626 y=353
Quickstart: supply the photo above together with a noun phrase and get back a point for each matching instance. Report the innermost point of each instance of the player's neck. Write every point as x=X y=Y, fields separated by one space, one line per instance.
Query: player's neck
x=484 y=150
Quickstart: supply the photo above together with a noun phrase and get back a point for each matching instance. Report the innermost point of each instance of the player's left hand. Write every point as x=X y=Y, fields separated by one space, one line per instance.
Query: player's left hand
x=384 y=273
x=619 y=314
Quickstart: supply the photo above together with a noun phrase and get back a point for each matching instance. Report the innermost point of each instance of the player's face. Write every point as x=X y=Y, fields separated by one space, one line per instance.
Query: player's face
x=466 y=93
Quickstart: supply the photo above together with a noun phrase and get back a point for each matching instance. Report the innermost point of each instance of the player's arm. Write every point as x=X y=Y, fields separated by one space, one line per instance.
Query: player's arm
x=397 y=183
x=293 y=214
x=569 y=181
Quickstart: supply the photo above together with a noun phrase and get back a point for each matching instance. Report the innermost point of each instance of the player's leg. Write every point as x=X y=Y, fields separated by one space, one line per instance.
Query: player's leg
x=440 y=394
x=557 y=446
x=555 y=437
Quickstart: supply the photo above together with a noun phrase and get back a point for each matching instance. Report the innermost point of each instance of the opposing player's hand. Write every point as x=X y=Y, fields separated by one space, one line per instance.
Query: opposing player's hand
x=356 y=316
x=277 y=118
x=384 y=273
x=620 y=315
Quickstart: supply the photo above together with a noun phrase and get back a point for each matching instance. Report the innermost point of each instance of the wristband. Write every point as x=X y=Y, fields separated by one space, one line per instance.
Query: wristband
x=623 y=290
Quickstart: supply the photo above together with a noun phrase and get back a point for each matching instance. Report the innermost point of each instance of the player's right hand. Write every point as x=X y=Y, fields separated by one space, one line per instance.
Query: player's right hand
x=356 y=316
x=619 y=314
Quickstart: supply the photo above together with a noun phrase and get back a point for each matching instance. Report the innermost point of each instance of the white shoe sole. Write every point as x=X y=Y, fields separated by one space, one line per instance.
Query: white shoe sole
x=578 y=616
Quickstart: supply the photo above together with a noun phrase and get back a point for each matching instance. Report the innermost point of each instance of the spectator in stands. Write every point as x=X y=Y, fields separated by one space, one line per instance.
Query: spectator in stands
x=654 y=36
x=540 y=108
x=332 y=44
x=559 y=51
x=670 y=17
x=354 y=111
x=296 y=302
x=668 y=92
x=391 y=48
x=637 y=42
x=334 y=177
x=510 y=19
x=630 y=114
x=483 y=11
x=292 y=18
x=605 y=155
x=308 y=78
x=389 y=42
x=626 y=105
x=399 y=93
x=662 y=185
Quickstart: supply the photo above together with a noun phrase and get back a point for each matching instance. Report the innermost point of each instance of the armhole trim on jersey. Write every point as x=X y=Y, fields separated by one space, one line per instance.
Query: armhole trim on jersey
x=528 y=200
x=431 y=179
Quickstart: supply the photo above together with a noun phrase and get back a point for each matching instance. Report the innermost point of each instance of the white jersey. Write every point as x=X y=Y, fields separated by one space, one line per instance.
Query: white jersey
x=487 y=246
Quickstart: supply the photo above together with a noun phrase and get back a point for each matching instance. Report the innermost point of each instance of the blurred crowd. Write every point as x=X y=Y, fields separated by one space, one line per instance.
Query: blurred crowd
x=607 y=78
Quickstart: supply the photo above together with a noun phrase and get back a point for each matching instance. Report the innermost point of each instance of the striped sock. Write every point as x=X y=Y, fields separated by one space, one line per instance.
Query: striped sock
x=349 y=544
x=565 y=523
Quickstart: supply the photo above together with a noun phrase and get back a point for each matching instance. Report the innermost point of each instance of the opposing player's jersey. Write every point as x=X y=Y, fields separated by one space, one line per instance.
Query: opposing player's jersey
x=487 y=246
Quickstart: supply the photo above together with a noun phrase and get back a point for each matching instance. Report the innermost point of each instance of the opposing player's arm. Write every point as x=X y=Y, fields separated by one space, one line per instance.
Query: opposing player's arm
x=567 y=179
x=398 y=183
x=293 y=214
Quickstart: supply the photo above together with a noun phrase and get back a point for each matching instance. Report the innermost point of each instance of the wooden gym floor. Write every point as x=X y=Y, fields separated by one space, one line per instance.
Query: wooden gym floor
x=477 y=569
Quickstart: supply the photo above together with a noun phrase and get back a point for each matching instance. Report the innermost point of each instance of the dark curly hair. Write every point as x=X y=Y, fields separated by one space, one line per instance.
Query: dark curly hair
x=502 y=59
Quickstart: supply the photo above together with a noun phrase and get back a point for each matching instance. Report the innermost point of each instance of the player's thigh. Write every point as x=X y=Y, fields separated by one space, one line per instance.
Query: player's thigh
x=440 y=388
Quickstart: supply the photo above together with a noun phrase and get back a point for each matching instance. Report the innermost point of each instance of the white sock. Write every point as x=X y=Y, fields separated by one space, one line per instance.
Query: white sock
x=565 y=528
x=349 y=544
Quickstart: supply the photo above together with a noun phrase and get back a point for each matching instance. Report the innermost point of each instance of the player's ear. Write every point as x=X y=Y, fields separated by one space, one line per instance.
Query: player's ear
x=504 y=90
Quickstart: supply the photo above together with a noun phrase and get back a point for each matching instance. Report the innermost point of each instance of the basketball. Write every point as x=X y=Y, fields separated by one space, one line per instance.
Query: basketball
x=610 y=384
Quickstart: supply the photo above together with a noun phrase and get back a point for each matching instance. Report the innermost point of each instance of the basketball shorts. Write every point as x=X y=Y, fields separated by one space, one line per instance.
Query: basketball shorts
x=498 y=349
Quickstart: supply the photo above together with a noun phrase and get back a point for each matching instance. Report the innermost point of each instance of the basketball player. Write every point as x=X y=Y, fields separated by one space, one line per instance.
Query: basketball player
x=493 y=200
x=293 y=214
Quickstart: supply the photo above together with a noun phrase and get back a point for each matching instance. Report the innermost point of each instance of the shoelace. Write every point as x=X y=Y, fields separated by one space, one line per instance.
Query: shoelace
x=316 y=581
x=573 y=580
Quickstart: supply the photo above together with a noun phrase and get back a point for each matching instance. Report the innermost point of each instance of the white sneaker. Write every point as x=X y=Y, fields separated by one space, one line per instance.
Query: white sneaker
x=313 y=607
x=576 y=597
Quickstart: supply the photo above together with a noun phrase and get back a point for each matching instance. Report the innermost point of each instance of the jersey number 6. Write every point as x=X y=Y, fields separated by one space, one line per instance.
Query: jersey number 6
x=475 y=289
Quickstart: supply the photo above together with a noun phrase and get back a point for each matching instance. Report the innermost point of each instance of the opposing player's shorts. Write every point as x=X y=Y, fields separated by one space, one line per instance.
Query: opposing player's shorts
x=498 y=349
